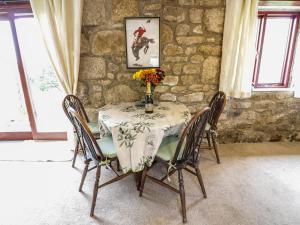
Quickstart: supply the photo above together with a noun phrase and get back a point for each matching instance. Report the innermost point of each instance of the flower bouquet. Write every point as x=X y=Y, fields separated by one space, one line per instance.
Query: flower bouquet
x=149 y=78
x=152 y=76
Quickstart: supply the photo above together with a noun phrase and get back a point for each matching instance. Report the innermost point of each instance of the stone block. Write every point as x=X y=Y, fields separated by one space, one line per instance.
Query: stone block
x=172 y=49
x=197 y=59
x=150 y=7
x=174 y=59
x=210 y=71
x=82 y=92
x=111 y=67
x=190 y=40
x=161 y=89
x=190 y=50
x=182 y=29
x=108 y=42
x=192 y=69
x=186 y=2
x=105 y=82
x=110 y=76
x=166 y=67
x=179 y=89
x=170 y=80
x=198 y=29
x=177 y=69
x=97 y=99
x=120 y=93
x=93 y=12
x=296 y=137
x=194 y=97
x=271 y=95
x=248 y=115
x=214 y=19
x=124 y=8
x=92 y=68
x=188 y=79
x=196 y=87
x=95 y=86
x=174 y=14
x=210 y=3
x=214 y=50
x=84 y=45
x=124 y=76
x=166 y=34
x=92 y=113
x=241 y=105
x=169 y=2
x=196 y=15
x=168 y=97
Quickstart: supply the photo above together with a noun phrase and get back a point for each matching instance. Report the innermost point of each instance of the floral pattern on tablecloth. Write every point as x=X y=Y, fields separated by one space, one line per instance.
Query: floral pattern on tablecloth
x=136 y=134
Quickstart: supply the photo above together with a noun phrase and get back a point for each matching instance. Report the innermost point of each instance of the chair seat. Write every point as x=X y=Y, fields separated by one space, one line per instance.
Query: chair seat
x=168 y=147
x=107 y=147
x=94 y=127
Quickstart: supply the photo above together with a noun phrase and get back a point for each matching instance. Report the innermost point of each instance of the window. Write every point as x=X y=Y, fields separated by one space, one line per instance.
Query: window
x=276 y=39
x=30 y=93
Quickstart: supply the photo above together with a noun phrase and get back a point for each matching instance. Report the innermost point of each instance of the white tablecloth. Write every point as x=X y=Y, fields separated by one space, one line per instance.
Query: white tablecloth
x=136 y=134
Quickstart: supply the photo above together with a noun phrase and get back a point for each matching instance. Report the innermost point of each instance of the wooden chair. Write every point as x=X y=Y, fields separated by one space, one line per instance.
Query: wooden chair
x=216 y=105
x=71 y=101
x=177 y=154
x=101 y=151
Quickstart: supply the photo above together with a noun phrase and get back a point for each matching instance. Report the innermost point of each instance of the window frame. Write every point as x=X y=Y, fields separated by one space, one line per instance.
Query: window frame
x=290 y=49
x=7 y=12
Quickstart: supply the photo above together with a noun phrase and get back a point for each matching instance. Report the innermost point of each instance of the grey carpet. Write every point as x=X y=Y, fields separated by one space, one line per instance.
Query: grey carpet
x=256 y=184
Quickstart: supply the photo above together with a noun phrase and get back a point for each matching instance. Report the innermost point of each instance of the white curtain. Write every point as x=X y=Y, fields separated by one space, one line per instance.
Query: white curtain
x=238 y=51
x=60 y=24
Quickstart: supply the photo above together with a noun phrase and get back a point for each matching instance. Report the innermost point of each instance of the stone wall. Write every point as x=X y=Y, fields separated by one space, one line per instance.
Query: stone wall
x=266 y=116
x=191 y=46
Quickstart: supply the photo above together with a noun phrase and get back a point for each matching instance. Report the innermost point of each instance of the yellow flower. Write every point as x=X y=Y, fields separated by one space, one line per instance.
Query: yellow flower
x=141 y=74
x=137 y=75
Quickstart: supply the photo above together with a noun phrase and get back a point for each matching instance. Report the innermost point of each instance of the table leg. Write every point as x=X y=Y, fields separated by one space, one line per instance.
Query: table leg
x=138 y=177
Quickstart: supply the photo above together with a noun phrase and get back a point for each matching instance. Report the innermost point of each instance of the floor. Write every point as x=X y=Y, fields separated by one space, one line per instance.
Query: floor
x=257 y=184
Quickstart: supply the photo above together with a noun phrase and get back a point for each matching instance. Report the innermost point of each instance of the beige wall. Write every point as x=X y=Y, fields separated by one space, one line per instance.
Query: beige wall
x=191 y=44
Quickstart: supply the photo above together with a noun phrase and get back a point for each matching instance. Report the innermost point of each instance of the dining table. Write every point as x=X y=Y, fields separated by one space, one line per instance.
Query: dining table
x=137 y=135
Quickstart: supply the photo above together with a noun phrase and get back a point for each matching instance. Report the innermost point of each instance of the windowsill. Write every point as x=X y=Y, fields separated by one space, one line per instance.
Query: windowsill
x=273 y=89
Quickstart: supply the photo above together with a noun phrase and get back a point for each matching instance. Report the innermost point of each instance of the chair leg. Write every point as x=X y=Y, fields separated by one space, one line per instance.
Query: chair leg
x=87 y=162
x=75 y=153
x=200 y=181
x=208 y=140
x=215 y=148
x=182 y=195
x=143 y=180
x=96 y=187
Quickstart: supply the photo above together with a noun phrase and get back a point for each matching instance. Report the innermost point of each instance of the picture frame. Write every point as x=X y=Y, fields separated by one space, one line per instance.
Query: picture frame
x=142 y=41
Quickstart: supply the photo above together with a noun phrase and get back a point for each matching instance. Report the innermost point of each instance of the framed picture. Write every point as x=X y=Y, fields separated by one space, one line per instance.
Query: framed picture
x=142 y=42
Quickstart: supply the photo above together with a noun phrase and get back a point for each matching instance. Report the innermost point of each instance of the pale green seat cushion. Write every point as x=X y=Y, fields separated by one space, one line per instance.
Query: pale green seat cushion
x=107 y=147
x=207 y=127
x=94 y=127
x=168 y=147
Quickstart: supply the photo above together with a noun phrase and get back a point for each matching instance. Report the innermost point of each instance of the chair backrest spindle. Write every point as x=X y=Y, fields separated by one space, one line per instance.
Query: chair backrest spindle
x=72 y=101
x=217 y=105
x=191 y=137
x=87 y=139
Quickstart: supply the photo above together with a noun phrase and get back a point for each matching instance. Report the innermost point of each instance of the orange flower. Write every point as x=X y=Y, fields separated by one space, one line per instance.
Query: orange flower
x=154 y=76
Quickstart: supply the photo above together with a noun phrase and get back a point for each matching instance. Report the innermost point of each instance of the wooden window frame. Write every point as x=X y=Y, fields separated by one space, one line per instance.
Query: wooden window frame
x=8 y=12
x=290 y=50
